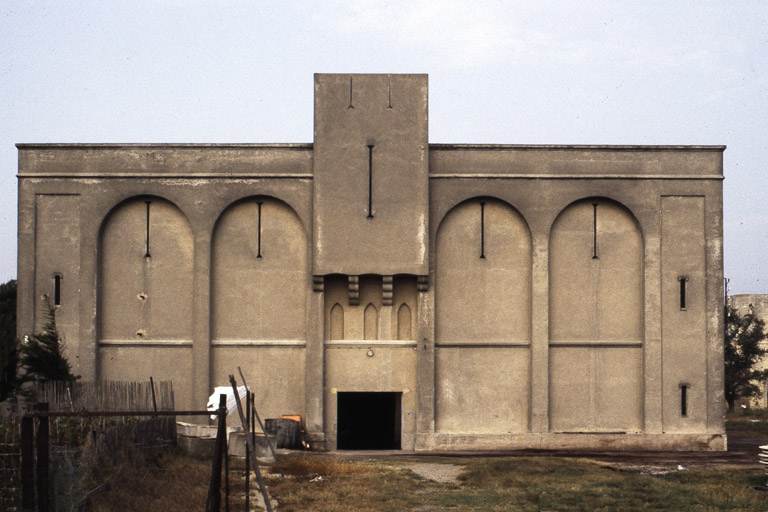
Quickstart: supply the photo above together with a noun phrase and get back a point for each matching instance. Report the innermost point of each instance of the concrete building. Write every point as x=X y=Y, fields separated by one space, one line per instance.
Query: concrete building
x=393 y=292
x=758 y=304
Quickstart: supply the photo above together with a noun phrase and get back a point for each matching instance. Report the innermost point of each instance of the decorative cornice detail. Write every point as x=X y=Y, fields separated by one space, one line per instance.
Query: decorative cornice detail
x=387 y=286
x=354 y=290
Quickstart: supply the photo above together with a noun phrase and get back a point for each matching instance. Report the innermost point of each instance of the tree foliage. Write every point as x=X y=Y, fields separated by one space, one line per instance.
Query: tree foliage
x=8 y=342
x=743 y=351
x=40 y=354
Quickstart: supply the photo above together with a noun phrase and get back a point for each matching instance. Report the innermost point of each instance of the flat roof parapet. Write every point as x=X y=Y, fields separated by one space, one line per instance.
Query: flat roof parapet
x=280 y=160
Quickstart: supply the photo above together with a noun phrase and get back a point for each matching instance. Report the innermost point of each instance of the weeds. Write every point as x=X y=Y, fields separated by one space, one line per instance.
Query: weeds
x=324 y=482
x=504 y=484
x=314 y=465
x=319 y=482
x=169 y=481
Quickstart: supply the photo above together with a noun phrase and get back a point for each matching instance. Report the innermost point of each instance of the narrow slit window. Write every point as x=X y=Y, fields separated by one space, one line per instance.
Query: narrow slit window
x=684 y=400
x=370 y=181
x=57 y=289
x=482 y=230
x=594 y=231
x=258 y=235
x=350 y=94
x=683 y=293
x=146 y=253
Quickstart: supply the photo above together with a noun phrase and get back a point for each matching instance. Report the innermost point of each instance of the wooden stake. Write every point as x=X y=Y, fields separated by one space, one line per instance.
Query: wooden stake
x=261 y=425
x=251 y=446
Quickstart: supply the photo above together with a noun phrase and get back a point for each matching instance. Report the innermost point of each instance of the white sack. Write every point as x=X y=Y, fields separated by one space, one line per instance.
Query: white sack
x=213 y=400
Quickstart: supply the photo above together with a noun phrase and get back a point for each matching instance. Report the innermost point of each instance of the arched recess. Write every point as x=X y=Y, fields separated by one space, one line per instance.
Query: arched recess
x=483 y=318
x=259 y=272
x=337 y=322
x=596 y=273
x=371 y=323
x=404 y=323
x=483 y=289
x=146 y=256
x=596 y=326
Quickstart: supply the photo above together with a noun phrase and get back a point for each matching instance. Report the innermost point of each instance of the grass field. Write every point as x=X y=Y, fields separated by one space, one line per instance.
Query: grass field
x=747 y=423
x=502 y=484
x=179 y=483
x=322 y=482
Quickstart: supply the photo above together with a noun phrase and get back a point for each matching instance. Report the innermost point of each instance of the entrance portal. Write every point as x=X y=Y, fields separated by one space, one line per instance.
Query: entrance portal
x=368 y=421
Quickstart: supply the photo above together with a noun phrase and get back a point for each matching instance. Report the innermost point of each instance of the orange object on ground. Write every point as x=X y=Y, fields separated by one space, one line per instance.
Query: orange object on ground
x=294 y=417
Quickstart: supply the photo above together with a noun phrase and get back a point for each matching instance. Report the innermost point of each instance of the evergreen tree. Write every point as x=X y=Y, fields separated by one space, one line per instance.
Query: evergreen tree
x=743 y=334
x=40 y=353
x=8 y=342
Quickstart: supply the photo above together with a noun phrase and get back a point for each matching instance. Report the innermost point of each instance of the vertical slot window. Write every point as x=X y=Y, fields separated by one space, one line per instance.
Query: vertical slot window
x=482 y=230
x=258 y=233
x=57 y=289
x=683 y=293
x=594 y=231
x=684 y=399
x=146 y=238
x=370 y=181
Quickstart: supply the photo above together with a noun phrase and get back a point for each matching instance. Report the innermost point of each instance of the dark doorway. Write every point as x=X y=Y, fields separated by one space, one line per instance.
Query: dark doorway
x=368 y=421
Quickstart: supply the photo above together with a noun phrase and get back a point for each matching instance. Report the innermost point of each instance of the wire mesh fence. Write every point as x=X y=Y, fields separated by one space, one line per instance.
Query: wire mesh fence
x=78 y=445
x=78 y=455
x=10 y=463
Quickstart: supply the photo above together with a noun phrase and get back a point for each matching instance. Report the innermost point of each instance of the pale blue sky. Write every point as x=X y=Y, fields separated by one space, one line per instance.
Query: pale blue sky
x=538 y=72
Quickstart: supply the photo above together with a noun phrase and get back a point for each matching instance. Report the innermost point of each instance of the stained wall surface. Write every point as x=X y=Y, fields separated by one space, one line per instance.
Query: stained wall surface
x=482 y=319
x=683 y=302
x=596 y=319
x=370 y=174
x=259 y=273
x=145 y=281
x=509 y=296
x=56 y=266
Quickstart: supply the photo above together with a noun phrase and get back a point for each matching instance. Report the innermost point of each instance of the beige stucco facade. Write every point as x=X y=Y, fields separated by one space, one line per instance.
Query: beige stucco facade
x=504 y=296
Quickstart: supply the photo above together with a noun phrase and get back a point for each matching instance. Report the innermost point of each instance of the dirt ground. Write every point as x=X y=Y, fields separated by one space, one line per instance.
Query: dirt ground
x=742 y=452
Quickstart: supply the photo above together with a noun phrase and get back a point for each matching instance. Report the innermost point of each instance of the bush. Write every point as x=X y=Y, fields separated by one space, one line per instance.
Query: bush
x=41 y=356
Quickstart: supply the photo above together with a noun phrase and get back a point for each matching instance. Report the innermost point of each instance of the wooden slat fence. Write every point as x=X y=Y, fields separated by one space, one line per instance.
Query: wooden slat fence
x=105 y=396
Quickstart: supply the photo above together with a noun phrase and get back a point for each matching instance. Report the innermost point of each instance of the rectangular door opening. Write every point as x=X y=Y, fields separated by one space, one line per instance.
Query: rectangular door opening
x=368 y=421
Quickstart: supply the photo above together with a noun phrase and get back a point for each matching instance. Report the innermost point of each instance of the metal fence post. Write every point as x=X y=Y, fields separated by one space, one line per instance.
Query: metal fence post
x=27 y=463
x=42 y=458
x=247 y=451
x=214 y=490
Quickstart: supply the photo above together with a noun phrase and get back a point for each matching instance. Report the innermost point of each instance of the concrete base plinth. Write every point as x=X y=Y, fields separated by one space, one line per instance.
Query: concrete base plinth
x=197 y=446
x=238 y=446
x=575 y=441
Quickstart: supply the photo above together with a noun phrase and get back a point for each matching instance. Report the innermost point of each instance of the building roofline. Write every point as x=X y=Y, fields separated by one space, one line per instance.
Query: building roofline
x=436 y=146
x=57 y=145
x=576 y=147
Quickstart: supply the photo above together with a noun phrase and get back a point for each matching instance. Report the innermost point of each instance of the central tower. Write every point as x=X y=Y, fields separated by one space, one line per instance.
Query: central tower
x=370 y=174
